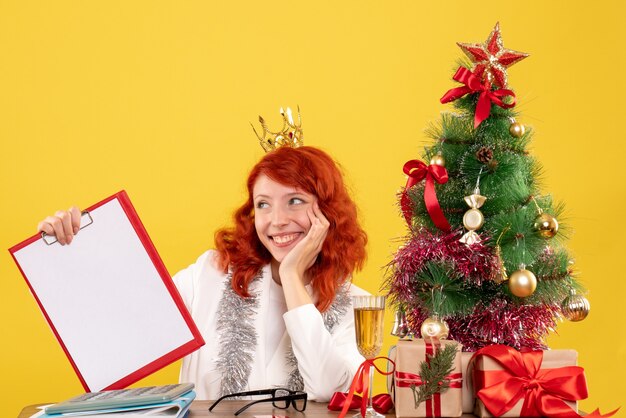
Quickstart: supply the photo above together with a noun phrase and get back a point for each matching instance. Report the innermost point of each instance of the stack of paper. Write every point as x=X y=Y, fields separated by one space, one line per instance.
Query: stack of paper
x=176 y=408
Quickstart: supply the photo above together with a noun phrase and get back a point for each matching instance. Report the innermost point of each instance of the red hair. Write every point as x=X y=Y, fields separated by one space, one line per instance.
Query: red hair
x=313 y=171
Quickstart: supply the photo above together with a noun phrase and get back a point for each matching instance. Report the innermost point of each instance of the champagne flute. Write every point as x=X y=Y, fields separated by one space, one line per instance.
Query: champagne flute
x=368 y=323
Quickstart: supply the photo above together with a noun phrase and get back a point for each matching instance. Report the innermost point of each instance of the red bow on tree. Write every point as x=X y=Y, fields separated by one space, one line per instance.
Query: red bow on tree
x=417 y=171
x=544 y=392
x=472 y=84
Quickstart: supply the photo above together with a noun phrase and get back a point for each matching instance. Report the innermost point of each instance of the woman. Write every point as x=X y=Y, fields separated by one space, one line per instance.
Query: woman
x=273 y=300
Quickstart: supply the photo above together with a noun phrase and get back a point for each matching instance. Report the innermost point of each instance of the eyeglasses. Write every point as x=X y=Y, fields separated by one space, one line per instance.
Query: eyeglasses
x=281 y=398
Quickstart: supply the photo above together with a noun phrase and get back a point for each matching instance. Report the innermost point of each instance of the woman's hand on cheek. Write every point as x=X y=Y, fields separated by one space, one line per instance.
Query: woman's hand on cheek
x=304 y=254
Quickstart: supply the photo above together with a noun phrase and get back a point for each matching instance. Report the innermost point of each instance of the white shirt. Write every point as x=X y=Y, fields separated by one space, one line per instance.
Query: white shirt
x=277 y=308
x=327 y=362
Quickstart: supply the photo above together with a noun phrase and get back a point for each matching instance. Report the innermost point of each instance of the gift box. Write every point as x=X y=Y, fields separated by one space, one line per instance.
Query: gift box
x=409 y=355
x=391 y=354
x=467 y=390
x=510 y=383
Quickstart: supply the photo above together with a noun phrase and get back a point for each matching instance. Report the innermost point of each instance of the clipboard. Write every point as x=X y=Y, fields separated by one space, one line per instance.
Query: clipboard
x=108 y=297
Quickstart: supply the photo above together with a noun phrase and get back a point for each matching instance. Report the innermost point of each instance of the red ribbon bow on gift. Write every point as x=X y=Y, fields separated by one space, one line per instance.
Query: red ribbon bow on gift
x=361 y=384
x=417 y=171
x=472 y=84
x=544 y=391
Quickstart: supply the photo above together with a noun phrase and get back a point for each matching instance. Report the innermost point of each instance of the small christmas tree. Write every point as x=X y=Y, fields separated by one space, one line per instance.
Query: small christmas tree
x=484 y=261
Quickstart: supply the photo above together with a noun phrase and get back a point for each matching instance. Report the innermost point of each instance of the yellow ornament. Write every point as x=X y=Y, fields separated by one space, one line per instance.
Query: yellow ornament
x=575 y=307
x=546 y=225
x=438 y=160
x=517 y=130
x=522 y=283
x=434 y=327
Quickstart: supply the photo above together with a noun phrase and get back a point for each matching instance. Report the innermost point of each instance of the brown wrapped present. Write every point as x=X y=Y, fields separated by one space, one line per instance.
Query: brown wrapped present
x=468 y=393
x=510 y=383
x=409 y=356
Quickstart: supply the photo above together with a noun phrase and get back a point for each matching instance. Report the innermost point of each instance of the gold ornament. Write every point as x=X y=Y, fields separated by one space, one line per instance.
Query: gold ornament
x=434 y=327
x=517 y=130
x=501 y=275
x=438 y=160
x=546 y=225
x=473 y=219
x=522 y=283
x=290 y=135
x=575 y=307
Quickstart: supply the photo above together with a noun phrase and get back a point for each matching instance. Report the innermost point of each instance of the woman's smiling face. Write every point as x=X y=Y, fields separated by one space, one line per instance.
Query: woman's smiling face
x=280 y=215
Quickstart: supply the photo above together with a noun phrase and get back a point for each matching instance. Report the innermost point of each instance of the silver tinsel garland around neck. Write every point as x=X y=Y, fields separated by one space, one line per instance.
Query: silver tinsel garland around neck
x=238 y=337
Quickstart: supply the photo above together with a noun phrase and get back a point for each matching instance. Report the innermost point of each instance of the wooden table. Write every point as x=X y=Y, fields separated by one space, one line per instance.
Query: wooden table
x=225 y=409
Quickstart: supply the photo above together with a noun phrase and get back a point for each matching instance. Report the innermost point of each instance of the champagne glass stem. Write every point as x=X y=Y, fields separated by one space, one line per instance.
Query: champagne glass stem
x=369 y=396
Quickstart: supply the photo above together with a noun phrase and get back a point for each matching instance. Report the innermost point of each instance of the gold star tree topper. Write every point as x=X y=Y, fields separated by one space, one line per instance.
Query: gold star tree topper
x=491 y=58
x=290 y=135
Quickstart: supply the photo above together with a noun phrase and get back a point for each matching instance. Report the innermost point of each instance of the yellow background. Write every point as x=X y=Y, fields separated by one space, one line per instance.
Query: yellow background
x=156 y=98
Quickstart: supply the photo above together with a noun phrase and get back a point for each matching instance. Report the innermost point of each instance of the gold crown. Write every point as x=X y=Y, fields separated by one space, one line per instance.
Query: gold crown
x=289 y=136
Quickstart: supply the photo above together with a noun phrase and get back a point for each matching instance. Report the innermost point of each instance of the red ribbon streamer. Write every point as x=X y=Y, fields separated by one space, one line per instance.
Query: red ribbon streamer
x=417 y=171
x=381 y=403
x=361 y=383
x=472 y=84
x=544 y=392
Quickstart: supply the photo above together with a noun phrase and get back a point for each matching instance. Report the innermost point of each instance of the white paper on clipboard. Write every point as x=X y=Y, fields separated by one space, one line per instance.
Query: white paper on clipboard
x=109 y=299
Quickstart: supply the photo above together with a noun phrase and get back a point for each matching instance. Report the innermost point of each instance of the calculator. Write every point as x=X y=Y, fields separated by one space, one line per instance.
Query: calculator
x=120 y=398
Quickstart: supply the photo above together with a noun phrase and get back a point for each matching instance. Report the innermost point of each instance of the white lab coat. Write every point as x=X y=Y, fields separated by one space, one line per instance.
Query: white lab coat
x=327 y=362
